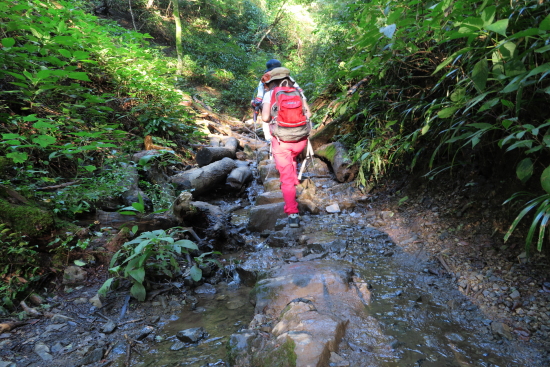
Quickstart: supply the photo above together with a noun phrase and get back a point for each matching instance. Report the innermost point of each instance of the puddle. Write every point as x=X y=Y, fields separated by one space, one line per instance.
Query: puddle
x=220 y=314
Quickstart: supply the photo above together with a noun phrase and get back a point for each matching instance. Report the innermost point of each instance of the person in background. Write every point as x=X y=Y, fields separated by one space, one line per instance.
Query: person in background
x=256 y=103
x=284 y=153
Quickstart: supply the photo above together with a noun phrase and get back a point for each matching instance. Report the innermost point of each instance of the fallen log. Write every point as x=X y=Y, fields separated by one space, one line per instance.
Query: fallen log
x=204 y=179
x=207 y=155
x=337 y=154
x=239 y=177
x=144 y=223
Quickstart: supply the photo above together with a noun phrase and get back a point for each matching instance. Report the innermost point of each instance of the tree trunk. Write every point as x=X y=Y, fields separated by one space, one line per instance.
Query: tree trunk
x=179 y=48
x=208 y=155
x=337 y=154
x=202 y=180
x=239 y=177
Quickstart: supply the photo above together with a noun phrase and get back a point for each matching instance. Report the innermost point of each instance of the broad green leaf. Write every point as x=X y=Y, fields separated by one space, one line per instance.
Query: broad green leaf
x=525 y=33
x=78 y=75
x=514 y=67
x=539 y=69
x=196 y=273
x=488 y=15
x=81 y=55
x=138 y=274
x=43 y=125
x=44 y=140
x=90 y=168
x=388 y=31
x=507 y=50
x=10 y=136
x=79 y=263
x=18 y=157
x=543 y=49
x=480 y=74
x=473 y=22
x=425 y=129
x=499 y=27
x=105 y=287
x=65 y=53
x=545 y=180
x=520 y=144
x=447 y=112
x=187 y=244
x=488 y=105
x=545 y=24
x=8 y=42
x=524 y=170
x=458 y=95
x=138 y=291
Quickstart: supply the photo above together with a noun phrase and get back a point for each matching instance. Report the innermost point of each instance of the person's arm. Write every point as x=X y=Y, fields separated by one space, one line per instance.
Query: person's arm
x=257 y=101
x=308 y=111
x=266 y=116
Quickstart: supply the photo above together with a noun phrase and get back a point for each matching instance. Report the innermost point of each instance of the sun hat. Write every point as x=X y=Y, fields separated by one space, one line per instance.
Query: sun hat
x=276 y=74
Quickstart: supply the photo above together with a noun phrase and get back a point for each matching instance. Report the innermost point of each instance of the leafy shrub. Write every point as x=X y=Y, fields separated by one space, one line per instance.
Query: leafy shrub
x=151 y=254
x=19 y=265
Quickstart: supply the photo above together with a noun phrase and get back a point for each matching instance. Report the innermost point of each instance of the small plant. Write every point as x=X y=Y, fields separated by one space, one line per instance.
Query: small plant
x=19 y=265
x=154 y=252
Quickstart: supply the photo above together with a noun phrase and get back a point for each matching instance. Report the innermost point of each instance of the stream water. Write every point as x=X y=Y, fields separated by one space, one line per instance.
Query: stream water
x=415 y=318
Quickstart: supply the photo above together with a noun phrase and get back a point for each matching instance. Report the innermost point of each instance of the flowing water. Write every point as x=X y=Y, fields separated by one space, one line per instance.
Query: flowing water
x=415 y=318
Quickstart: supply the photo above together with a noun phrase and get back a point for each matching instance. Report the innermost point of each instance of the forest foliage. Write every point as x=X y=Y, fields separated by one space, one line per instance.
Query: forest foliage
x=444 y=82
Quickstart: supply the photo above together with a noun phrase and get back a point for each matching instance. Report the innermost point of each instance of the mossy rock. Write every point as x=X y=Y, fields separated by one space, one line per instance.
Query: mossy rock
x=26 y=219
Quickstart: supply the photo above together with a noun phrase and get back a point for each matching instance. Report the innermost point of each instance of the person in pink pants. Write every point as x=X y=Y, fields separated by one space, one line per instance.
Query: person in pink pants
x=285 y=154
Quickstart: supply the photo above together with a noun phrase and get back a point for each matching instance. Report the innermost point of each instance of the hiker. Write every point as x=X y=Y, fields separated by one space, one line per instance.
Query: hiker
x=287 y=142
x=256 y=103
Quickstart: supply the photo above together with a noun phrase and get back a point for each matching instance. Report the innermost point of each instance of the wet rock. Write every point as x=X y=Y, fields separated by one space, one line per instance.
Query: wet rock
x=333 y=208
x=270 y=197
x=192 y=335
x=264 y=217
x=143 y=333
x=272 y=184
x=206 y=288
x=108 y=327
x=74 y=275
x=58 y=347
x=60 y=319
x=307 y=205
x=95 y=356
x=96 y=301
x=36 y=299
x=268 y=171
x=515 y=294
x=43 y=351
x=178 y=346
x=502 y=330
x=7 y=364
x=337 y=361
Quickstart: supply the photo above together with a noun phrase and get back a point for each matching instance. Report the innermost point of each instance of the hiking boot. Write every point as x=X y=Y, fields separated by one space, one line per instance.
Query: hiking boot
x=294 y=221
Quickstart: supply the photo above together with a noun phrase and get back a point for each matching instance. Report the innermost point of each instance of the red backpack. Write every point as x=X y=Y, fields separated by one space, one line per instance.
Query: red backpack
x=289 y=122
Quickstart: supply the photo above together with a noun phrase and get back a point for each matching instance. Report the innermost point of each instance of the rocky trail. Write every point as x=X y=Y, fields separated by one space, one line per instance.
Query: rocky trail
x=367 y=280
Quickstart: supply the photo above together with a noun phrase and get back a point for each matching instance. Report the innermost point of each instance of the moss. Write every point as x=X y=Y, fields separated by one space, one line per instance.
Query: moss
x=281 y=356
x=328 y=153
x=25 y=219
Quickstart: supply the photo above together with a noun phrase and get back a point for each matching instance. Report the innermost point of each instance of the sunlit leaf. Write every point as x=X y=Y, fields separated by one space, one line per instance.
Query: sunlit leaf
x=498 y=27
x=447 y=112
x=8 y=42
x=44 y=140
x=18 y=157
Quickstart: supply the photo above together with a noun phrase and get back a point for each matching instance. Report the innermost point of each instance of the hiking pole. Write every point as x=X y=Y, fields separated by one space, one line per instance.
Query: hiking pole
x=309 y=155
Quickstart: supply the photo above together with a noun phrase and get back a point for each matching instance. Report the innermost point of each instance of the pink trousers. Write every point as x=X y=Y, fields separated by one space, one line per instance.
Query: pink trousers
x=285 y=160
